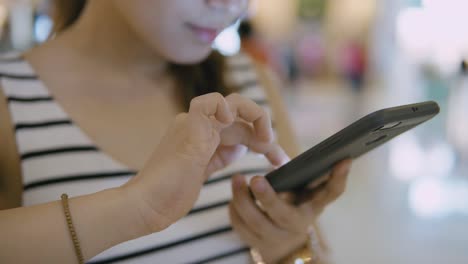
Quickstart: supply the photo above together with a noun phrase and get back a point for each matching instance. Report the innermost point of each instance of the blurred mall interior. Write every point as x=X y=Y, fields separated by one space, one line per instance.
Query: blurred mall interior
x=406 y=202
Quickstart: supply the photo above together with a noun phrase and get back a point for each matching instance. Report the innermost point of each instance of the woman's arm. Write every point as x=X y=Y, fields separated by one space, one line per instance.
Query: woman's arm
x=39 y=234
x=199 y=142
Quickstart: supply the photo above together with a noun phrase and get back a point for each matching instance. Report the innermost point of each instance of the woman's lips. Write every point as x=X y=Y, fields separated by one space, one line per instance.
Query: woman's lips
x=204 y=34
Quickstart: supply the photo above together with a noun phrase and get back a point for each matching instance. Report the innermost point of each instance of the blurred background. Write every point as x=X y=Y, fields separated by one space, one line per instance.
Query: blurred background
x=406 y=202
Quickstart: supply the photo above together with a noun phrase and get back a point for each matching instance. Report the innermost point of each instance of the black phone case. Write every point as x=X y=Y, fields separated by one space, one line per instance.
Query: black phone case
x=360 y=137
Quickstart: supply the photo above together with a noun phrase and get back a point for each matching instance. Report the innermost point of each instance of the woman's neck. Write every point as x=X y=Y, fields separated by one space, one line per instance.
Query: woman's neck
x=103 y=35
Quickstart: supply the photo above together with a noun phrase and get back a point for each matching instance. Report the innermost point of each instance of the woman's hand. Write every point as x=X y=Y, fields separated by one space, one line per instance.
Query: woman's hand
x=279 y=227
x=207 y=138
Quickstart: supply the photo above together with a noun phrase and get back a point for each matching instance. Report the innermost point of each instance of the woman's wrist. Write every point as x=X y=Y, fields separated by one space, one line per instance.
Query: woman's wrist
x=142 y=208
x=130 y=204
x=147 y=221
x=105 y=219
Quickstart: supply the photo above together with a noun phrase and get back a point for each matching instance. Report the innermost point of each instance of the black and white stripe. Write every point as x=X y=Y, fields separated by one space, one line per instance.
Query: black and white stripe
x=10 y=56
x=23 y=88
x=16 y=69
x=239 y=255
x=45 y=168
x=44 y=111
x=186 y=241
x=57 y=157
x=18 y=77
x=44 y=124
x=51 y=138
x=222 y=242
x=15 y=99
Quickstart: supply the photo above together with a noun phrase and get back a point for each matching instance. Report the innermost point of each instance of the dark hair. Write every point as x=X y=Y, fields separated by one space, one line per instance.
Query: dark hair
x=245 y=29
x=192 y=80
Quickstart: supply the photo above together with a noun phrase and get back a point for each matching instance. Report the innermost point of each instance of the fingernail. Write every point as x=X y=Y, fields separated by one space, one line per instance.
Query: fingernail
x=346 y=167
x=260 y=185
x=227 y=120
x=284 y=158
x=237 y=182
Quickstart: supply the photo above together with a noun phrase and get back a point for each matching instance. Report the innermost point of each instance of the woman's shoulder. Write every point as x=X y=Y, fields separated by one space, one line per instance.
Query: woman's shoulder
x=10 y=173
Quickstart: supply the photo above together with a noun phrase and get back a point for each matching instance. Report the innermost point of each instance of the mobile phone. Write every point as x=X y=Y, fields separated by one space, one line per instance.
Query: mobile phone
x=353 y=141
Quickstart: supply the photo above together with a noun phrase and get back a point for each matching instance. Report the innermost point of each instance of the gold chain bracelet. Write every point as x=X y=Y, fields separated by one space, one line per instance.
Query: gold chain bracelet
x=71 y=228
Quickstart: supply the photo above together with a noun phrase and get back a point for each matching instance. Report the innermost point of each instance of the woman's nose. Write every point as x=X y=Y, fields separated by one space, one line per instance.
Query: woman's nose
x=228 y=5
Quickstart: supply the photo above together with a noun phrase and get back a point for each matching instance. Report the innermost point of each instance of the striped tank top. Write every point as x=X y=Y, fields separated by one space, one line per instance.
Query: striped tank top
x=57 y=157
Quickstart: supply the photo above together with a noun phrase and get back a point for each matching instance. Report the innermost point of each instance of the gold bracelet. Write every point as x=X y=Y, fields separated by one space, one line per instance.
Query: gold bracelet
x=309 y=253
x=76 y=243
x=256 y=256
x=303 y=255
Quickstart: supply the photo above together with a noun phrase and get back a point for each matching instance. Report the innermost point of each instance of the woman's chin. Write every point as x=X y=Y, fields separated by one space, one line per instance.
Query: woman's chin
x=192 y=57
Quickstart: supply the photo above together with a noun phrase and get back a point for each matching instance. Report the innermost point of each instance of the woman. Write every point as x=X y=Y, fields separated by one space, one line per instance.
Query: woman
x=110 y=83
